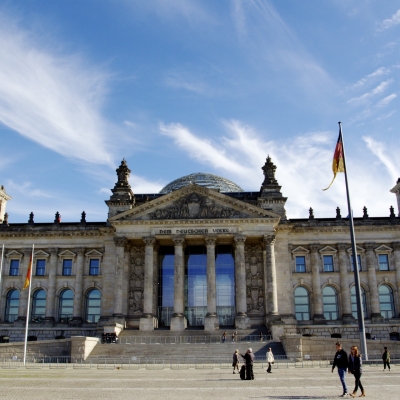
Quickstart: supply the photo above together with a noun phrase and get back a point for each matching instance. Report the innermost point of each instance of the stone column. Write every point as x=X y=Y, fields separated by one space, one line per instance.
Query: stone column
x=148 y=322
x=78 y=306
x=51 y=288
x=23 y=296
x=316 y=284
x=372 y=282
x=211 y=321
x=119 y=276
x=272 y=289
x=347 y=315
x=396 y=256
x=241 y=319
x=178 y=320
x=126 y=272
x=155 y=280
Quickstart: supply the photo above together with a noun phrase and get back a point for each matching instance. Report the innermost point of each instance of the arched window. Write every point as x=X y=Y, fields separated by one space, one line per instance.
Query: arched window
x=38 y=305
x=354 y=302
x=93 y=300
x=329 y=299
x=302 y=304
x=386 y=302
x=66 y=306
x=12 y=306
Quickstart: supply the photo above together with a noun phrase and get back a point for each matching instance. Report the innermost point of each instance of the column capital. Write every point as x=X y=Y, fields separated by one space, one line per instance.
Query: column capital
x=80 y=251
x=53 y=251
x=396 y=246
x=342 y=246
x=120 y=241
x=239 y=239
x=28 y=252
x=314 y=247
x=210 y=240
x=178 y=240
x=149 y=241
x=369 y=246
x=269 y=240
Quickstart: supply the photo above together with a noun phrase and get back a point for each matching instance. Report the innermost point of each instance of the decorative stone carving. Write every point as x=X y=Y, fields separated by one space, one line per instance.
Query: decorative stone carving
x=120 y=242
x=194 y=206
x=136 y=280
x=254 y=279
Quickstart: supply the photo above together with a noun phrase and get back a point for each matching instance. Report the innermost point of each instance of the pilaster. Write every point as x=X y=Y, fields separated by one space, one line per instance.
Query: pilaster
x=372 y=281
x=316 y=284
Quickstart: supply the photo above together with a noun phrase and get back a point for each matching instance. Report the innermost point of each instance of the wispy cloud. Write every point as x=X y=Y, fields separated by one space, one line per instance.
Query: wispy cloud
x=384 y=102
x=61 y=96
x=366 y=96
x=390 y=22
x=26 y=187
x=181 y=80
x=371 y=77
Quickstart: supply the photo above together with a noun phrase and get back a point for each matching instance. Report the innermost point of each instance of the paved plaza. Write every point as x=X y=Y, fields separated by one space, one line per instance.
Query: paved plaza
x=167 y=384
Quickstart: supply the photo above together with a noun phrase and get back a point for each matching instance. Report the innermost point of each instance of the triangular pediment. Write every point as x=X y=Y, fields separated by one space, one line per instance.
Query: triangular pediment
x=358 y=249
x=67 y=253
x=383 y=249
x=93 y=253
x=41 y=254
x=300 y=250
x=14 y=254
x=328 y=249
x=194 y=202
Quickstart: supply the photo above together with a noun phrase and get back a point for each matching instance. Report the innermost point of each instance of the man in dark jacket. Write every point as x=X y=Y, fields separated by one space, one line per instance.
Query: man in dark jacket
x=249 y=358
x=341 y=361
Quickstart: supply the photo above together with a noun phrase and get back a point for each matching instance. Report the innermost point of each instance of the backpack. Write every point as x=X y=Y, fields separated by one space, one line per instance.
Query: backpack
x=243 y=372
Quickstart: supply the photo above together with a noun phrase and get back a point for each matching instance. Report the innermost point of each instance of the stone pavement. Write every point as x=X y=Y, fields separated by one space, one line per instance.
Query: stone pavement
x=216 y=384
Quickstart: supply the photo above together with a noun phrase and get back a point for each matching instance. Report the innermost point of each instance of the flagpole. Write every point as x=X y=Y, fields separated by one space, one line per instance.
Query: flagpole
x=360 y=313
x=29 y=303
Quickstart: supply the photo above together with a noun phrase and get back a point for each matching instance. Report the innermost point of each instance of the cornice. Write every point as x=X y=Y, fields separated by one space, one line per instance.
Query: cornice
x=344 y=229
x=53 y=234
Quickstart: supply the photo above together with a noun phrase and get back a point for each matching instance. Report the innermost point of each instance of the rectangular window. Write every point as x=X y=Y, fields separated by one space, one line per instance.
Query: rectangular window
x=383 y=262
x=14 y=267
x=94 y=266
x=67 y=267
x=40 y=267
x=300 y=264
x=328 y=263
x=358 y=260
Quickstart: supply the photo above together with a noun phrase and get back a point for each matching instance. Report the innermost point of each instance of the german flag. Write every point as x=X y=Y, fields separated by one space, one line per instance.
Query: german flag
x=29 y=273
x=338 y=159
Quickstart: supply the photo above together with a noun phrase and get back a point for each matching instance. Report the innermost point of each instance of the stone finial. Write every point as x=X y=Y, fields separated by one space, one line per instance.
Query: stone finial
x=5 y=219
x=311 y=213
x=338 y=215
x=83 y=217
x=365 y=212
x=392 y=214
x=31 y=221
x=123 y=173
x=269 y=169
x=57 y=219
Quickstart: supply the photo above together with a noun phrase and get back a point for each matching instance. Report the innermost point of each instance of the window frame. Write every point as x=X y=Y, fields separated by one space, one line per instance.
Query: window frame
x=11 y=266
x=8 y=306
x=34 y=316
x=65 y=318
x=392 y=310
x=324 y=265
x=87 y=306
x=41 y=268
x=91 y=267
x=353 y=304
x=336 y=304
x=308 y=312
x=387 y=262
x=64 y=268
x=296 y=265
x=352 y=262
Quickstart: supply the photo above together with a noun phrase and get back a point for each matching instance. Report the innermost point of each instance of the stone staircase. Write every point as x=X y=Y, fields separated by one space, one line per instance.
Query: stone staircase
x=189 y=344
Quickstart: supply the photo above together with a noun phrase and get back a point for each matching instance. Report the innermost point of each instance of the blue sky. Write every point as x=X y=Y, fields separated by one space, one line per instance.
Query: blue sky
x=178 y=87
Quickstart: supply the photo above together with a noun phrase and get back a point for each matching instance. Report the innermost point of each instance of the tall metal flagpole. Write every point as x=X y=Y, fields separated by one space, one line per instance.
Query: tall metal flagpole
x=360 y=313
x=29 y=303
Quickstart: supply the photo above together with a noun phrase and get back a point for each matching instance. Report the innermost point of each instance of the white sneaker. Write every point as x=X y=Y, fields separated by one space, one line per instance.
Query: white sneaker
x=344 y=395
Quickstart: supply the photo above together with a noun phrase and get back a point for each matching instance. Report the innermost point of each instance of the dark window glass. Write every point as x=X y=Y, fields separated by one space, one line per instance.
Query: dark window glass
x=330 y=304
x=386 y=301
x=67 y=267
x=354 y=302
x=40 y=267
x=66 y=306
x=166 y=285
x=300 y=264
x=94 y=266
x=38 y=305
x=14 y=267
x=302 y=304
x=93 y=300
x=12 y=306
x=383 y=262
x=358 y=260
x=328 y=263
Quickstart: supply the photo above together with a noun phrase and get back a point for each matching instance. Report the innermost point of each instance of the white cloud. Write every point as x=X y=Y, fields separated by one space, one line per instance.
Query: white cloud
x=384 y=102
x=178 y=80
x=390 y=22
x=60 y=96
x=366 y=96
x=26 y=189
x=379 y=72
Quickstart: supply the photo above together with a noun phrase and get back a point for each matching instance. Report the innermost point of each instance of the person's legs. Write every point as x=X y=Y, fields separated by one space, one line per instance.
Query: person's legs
x=248 y=372
x=342 y=376
x=269 y=367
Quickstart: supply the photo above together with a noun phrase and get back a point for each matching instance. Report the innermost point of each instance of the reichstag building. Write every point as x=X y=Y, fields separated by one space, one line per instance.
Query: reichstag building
x=201 y=253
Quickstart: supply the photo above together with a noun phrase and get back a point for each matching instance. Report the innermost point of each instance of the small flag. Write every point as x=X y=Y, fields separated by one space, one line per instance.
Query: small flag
x=338 y=160
x=28 y=274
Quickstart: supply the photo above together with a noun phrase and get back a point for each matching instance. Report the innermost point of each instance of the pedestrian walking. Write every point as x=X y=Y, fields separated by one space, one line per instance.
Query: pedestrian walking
x=233 y=337
x=270 y=360
x=235 y=361
x=261 y=337
x=386 y=358
x=341 y=362
x=355 y=368
x=249 y=359
x=224 y=337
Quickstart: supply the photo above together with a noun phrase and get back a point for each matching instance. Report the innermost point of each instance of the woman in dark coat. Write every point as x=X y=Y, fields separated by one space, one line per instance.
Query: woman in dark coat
x=355 y=368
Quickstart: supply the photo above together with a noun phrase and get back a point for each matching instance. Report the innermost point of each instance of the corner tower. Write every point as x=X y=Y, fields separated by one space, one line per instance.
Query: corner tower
x=4 y=197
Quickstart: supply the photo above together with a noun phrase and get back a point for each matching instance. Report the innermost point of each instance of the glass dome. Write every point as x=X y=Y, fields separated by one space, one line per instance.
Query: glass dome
x=210 y=181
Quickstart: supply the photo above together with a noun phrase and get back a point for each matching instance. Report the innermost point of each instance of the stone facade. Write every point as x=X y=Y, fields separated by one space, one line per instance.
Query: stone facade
x=111 y=269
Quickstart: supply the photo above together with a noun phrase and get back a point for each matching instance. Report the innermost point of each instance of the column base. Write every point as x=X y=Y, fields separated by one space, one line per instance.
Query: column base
x=178 y=324
x=242 y=322
x=319 y=319
x=148 y=324
x=348 y=319
x=211 y=323
x=376 y=318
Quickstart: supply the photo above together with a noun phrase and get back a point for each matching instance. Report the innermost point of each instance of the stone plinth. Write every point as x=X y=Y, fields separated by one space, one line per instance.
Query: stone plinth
x=148 y=324
x=242 y=322
x=211 y=323
x=178 y=324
